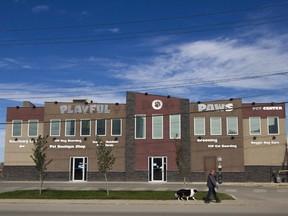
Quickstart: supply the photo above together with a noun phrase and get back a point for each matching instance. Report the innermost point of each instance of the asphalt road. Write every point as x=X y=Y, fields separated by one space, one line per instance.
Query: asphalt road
x=251 y=199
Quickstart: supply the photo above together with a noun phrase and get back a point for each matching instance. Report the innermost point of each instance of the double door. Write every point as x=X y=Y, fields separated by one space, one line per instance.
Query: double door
x=78 y=168
x=157 y=169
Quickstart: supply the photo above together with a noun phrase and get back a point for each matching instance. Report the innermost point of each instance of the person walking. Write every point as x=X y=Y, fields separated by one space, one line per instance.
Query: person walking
x=212 y=184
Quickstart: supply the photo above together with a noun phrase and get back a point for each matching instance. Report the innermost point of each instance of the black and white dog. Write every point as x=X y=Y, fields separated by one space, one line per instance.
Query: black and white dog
x=186 y=194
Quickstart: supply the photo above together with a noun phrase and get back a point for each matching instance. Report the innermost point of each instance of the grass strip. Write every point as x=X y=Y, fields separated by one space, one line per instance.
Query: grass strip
x=101 y=194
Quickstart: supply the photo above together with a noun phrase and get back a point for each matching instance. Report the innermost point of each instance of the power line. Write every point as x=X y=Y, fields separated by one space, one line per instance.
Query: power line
x=139 y=36
x=143 y=20
x=149 y=31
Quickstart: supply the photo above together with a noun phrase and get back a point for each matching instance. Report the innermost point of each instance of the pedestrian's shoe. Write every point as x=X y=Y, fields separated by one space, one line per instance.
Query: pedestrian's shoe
x=218 y=201
x=207 y=202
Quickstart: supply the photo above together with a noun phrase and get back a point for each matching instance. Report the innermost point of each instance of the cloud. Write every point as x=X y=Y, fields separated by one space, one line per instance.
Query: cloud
x=40 y=8
x=220 y=62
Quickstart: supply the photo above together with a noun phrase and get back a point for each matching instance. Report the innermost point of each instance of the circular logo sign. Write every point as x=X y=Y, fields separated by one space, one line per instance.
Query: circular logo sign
x=157 y=104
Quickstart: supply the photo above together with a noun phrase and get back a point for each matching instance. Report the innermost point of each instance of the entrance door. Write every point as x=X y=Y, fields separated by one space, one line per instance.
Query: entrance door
x=78 y=169
x=157 y=169
x=209 y=164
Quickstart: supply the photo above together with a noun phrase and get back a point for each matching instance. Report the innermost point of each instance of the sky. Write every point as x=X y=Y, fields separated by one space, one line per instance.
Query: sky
x=202 y=50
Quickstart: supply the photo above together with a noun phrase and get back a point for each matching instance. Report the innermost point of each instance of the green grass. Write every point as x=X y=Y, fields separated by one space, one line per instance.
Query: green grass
x=129 y=195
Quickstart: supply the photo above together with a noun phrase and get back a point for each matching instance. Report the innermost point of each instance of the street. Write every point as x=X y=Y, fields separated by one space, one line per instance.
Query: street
x=251 y=199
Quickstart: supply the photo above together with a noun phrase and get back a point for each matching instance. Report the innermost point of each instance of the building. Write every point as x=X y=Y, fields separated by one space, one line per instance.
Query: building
x=245 y=142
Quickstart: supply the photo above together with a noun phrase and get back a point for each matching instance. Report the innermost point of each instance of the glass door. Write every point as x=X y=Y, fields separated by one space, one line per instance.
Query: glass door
x=78 y=169
x=157 y=169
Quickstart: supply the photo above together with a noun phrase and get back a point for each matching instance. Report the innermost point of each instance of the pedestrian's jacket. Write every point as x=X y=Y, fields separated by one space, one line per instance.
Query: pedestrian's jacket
x=211 y=181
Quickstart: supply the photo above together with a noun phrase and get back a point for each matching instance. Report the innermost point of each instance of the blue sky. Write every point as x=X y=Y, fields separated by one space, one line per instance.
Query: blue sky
x=99 y=49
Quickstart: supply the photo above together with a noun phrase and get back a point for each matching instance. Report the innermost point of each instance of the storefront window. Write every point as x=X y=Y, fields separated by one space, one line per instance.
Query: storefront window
x=175 y=126
x=55 y=127
x=215 y=126
x=199 y=126
x=157 y=127
x=273 y=127
x=116 y=127
x=101 y=127
x=17 y=128
x=85 y=127
x=140 y=127
x=254 y=125
x=232 y=126
x=70 y=127
x=33 y=128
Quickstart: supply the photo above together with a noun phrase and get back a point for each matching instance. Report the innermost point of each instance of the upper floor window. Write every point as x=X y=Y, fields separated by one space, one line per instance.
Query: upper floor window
x=101 y=127
x=175 y=126
x=199 y=126
x=215 y=126
x=70 y=125
x=116 y=125
x=140 y=127
x=254 y=125
x=85 y=126
x=157 y=127
x=55 y=127
x=33 y=128
x=273 y=125
x=17 y=128
x=232 y=125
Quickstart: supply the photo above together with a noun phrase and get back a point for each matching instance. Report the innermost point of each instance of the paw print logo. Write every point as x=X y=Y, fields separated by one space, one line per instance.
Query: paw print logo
x=157 y=104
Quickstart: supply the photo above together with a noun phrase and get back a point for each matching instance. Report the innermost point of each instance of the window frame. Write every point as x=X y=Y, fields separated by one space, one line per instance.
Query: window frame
x=278 y=125
x=179 y=126
x=112 y=120
x=81 y=129
x=20 y=122
x=59 y=123
x=220 y=126
x=96 y=127
x=144 y=126
x=204 y=126
x=227 y=125
x=259 y=124
x=154 y=117
x=29 y=129
x=66 y=122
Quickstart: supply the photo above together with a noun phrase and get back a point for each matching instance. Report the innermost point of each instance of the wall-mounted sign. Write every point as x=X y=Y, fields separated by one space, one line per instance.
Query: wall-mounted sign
x=268 y=108
x=157 y=104
x=68 y=140
x=67 y=146
x=84 y=109
x=215 y=107
x=265 y=142
x=222 y=146
x=207 y=140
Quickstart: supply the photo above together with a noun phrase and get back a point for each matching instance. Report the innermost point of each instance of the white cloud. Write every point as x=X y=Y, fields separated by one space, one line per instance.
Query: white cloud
x=210 y=61
x=40 y=8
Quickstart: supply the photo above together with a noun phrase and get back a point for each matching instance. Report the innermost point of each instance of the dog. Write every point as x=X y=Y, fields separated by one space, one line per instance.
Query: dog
x=186 y=194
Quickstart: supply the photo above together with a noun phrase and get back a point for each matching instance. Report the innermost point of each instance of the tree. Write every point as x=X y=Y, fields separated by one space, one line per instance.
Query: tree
x=40 y=159
x=180 y=160
x=105 y=159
